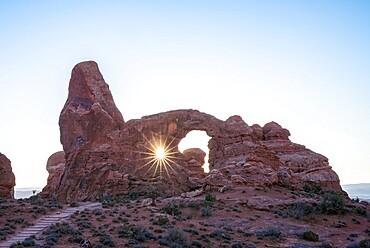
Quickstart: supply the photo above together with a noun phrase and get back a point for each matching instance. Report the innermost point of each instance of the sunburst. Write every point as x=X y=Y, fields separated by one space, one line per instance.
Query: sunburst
x=160 y=156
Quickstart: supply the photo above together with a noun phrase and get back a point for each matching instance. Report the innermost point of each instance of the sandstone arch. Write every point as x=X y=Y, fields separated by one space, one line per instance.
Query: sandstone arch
x=105 y=155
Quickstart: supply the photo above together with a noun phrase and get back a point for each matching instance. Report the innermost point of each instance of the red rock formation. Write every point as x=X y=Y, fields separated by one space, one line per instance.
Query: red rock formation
x=105 y=155
x=55 y=167
x=195 y=158
x=7 y=178
x=89 y=114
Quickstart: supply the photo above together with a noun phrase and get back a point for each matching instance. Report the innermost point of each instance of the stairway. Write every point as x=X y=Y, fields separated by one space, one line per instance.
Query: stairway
x=46 y=221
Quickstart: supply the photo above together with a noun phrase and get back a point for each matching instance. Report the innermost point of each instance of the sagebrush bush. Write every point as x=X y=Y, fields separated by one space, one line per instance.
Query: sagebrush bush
x=163 y=220
x=310 y=236
x=333 y=203
x=206 y=212
x=171 y=209
x=220 y=234
x=365 y=243
x=269 y=232
x=210 y=198
x=302 y=210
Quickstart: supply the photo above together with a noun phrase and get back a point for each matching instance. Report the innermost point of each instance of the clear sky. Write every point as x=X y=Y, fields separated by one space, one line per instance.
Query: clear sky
x=303 y=64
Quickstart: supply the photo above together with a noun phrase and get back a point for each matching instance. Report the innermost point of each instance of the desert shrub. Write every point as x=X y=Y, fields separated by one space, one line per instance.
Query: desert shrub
x=28 y=242
x=84 y=224
x=74 y=204
x=106 y=240
x=312 y=189
x=40 y=210
x=192 y=231
x=97 y=246
x=206 y=212
x=6 y=230
x=175 y=238
x=36 y=200
x=97 y=212
x=54 y=205
x=210 y=198
x=118 y=199
x=301 y=210
x=270 y=232
x=310 y=236
x=341 y=224
x=162 y=220
x=78 y=239
x=135 y=232
x=195 y=204
x=333 y=203
x=153 y=193
x=18 y=220
x=171 y=209
x=238 y=244
x=220 y=234
x=52 y=238
x=361 y=211
x=133 y=195
x=289 y=186
x=365 y=243
x=54 y=232
x=196 y=244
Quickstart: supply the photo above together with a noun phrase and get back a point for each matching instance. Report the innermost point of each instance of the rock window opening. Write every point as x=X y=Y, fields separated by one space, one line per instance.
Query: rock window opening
x=196 y=139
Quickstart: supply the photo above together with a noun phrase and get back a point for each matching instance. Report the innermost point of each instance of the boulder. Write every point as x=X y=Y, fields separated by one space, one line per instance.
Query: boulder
x=7 y=178
x=195 y=159
x=273 y=131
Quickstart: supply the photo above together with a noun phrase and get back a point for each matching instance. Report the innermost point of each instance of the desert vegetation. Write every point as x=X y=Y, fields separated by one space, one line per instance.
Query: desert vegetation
x=239 y=217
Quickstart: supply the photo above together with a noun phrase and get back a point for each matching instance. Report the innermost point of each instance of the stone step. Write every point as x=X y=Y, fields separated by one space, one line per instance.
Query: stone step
x=50 y=218
x=55 y=216
x=30 y=233
x=23 y=237
x=47 y=221
x=34 y=229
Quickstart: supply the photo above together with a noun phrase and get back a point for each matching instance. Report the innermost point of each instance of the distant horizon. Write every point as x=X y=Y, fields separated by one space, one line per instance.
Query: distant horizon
x=37 y=188
x=352 y=190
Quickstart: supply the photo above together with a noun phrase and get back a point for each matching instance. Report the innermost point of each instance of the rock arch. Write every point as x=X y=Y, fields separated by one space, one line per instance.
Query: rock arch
x=105 y=155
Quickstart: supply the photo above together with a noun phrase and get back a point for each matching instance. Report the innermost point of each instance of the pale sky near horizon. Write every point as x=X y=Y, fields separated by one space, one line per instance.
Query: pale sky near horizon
x=303 y=64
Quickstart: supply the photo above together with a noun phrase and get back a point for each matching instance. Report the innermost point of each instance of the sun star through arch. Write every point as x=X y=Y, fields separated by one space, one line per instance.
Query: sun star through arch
x=160 y=156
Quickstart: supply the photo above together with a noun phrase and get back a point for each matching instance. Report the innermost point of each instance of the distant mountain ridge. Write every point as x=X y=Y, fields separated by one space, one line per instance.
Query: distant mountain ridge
x=360 y=190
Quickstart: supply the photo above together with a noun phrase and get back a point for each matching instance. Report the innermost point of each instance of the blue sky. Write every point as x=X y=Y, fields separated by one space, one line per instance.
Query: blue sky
x=303 y=64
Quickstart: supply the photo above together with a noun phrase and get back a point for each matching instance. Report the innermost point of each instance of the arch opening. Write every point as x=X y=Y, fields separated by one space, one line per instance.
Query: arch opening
x=196 y=139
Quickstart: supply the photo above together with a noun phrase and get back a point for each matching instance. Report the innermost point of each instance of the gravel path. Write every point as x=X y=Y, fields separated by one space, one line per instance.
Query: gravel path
x=46 y=221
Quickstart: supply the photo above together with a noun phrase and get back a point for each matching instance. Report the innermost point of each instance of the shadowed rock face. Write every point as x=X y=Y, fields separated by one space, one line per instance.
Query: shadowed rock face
x=105 y=155
x=7 y=178
x=55 y=167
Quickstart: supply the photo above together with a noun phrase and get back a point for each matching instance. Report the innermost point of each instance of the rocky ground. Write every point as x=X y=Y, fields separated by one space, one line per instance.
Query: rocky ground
x=236 y=217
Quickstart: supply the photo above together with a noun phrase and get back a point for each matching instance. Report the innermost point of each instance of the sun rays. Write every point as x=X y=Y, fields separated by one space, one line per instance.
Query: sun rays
x=159 y=156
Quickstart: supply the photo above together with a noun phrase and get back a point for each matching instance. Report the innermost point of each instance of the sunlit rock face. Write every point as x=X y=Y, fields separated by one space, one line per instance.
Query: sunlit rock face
x=105 y=155
x=7 y=178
